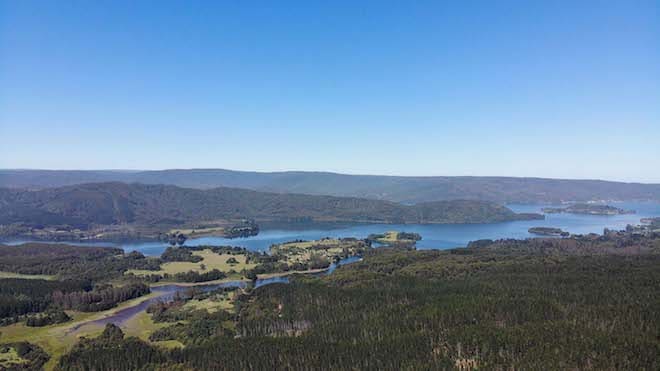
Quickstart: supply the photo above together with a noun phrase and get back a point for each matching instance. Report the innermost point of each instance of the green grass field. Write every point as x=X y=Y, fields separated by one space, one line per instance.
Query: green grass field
x=204 y=231
x=53 y=339
x=141 y=325
x=26 y=276
x=392 y=237
x=9 y=357
x=210 y=260
x=213 y=304
x=389 y=237
x=58 y=339
x=302 y=252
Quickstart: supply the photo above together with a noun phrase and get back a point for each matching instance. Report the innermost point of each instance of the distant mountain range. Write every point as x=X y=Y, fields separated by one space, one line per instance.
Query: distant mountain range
x=391 y=188
x=87 y=205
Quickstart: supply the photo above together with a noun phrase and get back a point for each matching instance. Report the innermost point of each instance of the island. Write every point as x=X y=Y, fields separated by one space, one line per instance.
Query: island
x=244 y=228
x=548 y=231
x=588 y=209
x=654 y=223
x=396 y=239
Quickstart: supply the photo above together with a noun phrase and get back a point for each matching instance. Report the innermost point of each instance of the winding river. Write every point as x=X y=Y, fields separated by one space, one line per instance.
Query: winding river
x=167 y=292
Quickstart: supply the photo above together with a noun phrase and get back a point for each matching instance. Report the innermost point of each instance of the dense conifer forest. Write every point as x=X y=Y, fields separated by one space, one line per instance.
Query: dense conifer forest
x=577 y=303
x=65 y=277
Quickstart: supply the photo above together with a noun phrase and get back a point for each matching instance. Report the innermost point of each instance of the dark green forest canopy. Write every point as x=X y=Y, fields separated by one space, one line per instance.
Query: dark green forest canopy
x=575 y=303
x=88 y=205
x=65 y=277
x=71 y=262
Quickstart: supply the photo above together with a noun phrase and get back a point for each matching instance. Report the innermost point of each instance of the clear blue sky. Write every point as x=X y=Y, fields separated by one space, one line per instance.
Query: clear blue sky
x=565 y=89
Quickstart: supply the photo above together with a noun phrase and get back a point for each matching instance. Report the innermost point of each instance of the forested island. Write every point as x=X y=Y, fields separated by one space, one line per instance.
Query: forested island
x=396 y=239
x=490 y=305
x=588 y=209
x=119 y=211
x=548 y=231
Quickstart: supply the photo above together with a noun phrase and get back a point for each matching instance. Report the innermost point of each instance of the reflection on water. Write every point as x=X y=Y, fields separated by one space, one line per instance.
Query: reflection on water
x=434 y=237
x=440 y=236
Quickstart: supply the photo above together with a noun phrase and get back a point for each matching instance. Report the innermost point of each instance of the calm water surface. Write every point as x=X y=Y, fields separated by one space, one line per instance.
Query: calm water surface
x=442 y=236
x=434 y=237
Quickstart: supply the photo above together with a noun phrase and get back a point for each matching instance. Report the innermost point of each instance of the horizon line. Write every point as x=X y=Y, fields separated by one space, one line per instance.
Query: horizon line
x=331 y=172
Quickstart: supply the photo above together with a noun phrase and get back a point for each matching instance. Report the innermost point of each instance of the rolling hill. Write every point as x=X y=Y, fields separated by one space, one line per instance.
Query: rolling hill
x=117 y=203
x=390 y=188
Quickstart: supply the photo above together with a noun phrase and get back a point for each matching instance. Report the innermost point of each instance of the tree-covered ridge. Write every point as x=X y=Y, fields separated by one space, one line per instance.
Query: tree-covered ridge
x=588 y=209
x=408 y=189
x=65 y=278
x=582 y=302
x=138 y=208
x=71 y=262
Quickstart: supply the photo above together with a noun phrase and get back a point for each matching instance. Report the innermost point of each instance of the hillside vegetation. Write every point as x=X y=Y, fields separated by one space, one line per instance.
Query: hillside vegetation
x=85 y=205
x=391 y=188
x=535 y=304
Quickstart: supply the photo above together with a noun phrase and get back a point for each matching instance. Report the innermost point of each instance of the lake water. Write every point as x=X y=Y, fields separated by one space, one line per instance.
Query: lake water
x=433 y=237
x=442 y=236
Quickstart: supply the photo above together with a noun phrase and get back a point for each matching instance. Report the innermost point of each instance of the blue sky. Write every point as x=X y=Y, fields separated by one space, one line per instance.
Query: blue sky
x=566 y=89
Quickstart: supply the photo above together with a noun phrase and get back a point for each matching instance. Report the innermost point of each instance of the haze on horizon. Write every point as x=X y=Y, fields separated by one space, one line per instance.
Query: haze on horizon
x=555 y=90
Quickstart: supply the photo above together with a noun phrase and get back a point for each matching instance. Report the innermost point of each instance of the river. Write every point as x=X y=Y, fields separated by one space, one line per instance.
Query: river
x=167 y=292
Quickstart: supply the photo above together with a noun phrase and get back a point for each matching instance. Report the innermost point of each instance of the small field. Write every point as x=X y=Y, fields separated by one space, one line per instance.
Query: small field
x=58 y=339
x=210 y=261
x=197 y=232
x=9 y=357
x=141 y=325
x=213 y=304
x=395 y=238
x=53 y=339
x=388 y=237
x=328 y=248
x=26 y=276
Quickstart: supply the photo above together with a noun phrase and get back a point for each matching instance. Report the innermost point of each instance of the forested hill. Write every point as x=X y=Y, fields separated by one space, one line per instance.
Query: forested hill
x=391 y=188
x=120 y=203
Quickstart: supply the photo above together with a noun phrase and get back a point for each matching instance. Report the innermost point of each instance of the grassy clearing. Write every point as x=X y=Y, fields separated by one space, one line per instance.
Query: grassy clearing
x=306 y=251
x=54 y=339
x=168 y=344
x=9 y=357
x=210 y=261
x=26 y=276
x=301 y=252
x=204 y=231
x=141 y=325
x=224 y=301
x=58 y=339
x=395 y=238
x=389 y=237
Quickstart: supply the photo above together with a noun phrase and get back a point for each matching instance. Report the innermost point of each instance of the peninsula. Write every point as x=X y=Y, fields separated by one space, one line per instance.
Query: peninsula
x=588 y=209
x=115 y=211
